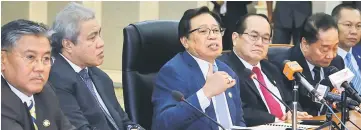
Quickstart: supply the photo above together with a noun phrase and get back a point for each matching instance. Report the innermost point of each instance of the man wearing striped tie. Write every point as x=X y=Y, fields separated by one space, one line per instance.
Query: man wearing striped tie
x=348 y=18
x=27 y=101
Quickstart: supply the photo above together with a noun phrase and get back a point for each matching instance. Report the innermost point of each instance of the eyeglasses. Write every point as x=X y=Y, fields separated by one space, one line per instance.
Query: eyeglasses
x=31 y=59
x=256 y=37
x=349 y=26
x=206 y=31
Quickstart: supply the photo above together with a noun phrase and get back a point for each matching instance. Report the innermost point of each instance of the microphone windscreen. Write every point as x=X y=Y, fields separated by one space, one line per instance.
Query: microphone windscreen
x=177 y=95
x=332 y=69
x=248 y=73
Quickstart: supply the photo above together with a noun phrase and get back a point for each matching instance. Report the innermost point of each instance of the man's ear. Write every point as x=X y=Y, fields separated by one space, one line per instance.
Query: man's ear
x=67 y=45
x=235 y=36
x=184 y=41
x=304 y=45
x=3 y=60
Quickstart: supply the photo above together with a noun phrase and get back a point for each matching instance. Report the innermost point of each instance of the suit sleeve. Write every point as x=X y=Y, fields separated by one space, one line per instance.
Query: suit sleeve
x=70 y=107
x=168 y=113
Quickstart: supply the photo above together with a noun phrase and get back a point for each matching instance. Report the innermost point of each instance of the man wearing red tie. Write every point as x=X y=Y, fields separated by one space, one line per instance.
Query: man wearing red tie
x=250 y=47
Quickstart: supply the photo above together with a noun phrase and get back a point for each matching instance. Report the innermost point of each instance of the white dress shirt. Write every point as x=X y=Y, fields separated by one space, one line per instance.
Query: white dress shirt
x=343 y=54
x=77 y=69
x=269 y=85
x=203 y=100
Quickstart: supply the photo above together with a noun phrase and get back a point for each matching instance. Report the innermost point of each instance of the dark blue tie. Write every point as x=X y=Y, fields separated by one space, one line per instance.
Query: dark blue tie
x=84 y=74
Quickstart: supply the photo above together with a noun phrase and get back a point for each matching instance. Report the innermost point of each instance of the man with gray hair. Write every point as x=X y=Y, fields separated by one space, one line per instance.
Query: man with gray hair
x=27 y=101
x=86 y=94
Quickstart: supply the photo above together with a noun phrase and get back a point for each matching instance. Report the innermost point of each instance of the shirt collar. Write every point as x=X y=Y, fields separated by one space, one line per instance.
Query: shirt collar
x=76 y=68
x=246 y=64
x=342 y=52
x=22 y=96
x=202 y=64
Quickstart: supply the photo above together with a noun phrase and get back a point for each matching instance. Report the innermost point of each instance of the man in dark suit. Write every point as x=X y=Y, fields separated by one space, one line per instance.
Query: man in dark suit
x=348 y=18
x=207 y=83
x=85 y=92
x=251 y=41
x=288 y=19
x=27 y=101
x=234 y=10
x=315 y=54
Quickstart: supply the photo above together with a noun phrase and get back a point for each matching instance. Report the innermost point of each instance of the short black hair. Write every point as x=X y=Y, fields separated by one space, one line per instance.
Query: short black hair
x=241 y=23
x=14 y=30
x=336 y=11
x=315 y=23
x=185 y=22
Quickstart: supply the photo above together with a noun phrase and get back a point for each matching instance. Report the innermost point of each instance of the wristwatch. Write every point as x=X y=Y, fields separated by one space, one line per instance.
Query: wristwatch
x=134 y=127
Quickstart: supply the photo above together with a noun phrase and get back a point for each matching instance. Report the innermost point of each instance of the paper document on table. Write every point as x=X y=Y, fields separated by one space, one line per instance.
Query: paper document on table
x=280 y=126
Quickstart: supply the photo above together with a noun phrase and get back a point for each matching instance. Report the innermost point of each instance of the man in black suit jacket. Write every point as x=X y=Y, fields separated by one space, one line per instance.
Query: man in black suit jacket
x=288 y=18
x=85 y=92
x=27 y=101
x=251 y=43
x=315 y=54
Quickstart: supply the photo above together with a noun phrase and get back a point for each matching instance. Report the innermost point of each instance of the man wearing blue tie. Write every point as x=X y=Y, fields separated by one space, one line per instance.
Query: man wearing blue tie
x=207 y=83
x=348 y=18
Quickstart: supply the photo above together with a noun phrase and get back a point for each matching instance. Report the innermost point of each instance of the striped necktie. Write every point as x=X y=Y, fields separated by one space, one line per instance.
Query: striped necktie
x=221 y=109
x=86 y=78
x=356 y=81
x=31 y=109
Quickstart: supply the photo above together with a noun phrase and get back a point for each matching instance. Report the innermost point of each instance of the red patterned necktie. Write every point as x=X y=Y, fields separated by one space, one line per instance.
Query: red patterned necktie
x=272 y=104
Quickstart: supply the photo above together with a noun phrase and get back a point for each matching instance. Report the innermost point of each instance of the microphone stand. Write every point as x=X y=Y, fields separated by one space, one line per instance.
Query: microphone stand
x=294 y=103
x=344 y=109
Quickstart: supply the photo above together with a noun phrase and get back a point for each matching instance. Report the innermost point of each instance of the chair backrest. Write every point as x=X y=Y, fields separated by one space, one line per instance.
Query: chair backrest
x=147 y=47
x=276 y=51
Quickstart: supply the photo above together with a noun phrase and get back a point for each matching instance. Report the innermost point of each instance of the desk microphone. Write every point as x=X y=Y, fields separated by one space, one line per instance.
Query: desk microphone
x=341 y=78
x=178 y=96
x=292 y=70
x=253 y=76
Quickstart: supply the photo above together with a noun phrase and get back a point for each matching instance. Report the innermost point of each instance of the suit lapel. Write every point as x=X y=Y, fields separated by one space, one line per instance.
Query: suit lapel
x=239 y=68
x=41 y=110
x=297 y=55
x=356 y=51
x=196 y=71
x=268 y=72
x=12 y=108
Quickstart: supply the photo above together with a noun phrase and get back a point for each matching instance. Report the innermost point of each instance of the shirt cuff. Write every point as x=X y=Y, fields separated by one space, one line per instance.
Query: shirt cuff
x=203 y=100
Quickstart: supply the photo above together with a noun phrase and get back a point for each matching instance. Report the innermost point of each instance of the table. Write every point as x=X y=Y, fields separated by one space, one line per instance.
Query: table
x=354 y=117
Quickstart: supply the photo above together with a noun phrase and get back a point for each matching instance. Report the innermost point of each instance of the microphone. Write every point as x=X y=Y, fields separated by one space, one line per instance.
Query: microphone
x=253 y=76
x=341 y=78
x=292 y=70
x=333 y=97
x=178 y=96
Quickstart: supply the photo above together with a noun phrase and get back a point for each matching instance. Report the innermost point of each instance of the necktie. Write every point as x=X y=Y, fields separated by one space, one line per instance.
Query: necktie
x=86 y=78
x=31 y=109
x=272 y=104
x=317 y=71
x=356 y=81
x=221 y=108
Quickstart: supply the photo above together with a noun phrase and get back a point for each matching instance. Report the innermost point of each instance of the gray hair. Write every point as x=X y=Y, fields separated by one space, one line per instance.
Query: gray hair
x=67 y=24
x=14 y=30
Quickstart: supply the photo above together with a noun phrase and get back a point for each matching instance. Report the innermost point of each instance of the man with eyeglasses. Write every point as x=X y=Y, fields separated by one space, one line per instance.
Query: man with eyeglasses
x=316 y=52
x=207 y=83
x=250 y=47
x=348 y=18
x=28 y=102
